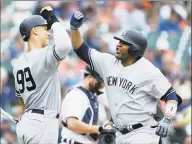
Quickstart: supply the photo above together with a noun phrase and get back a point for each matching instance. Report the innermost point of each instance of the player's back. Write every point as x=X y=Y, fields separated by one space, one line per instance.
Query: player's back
x=36 y=80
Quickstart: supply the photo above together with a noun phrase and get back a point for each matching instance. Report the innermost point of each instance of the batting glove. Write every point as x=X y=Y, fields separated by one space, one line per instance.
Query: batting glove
x=107 y=125
x=76 y=20
x=48 y=14
x=164 y=127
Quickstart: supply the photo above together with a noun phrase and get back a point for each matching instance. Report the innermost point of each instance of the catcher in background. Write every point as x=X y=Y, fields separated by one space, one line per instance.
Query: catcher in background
x=80 y=111
x=36 y=79
x=133 y=86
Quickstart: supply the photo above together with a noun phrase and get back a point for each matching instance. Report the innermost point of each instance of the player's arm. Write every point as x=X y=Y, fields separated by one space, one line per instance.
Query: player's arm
x=73 y=114
x=76 y=38
x=80 y=127
x=91 y=56
x=162 y=89
x=79 y=45
x=172 y=101
x=62 y=42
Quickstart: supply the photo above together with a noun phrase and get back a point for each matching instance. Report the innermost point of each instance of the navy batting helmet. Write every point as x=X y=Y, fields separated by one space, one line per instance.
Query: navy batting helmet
x=137 y=41
x=29 y=23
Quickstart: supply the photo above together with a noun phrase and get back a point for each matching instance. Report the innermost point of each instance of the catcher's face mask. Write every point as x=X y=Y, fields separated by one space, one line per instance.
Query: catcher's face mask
x=99 y=87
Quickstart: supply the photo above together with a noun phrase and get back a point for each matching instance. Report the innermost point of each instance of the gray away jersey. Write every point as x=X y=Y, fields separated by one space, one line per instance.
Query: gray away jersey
x=37 y=81
x=132 y=91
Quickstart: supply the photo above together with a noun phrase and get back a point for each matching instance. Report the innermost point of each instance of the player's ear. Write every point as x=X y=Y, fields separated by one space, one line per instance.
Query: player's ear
x=35 y=30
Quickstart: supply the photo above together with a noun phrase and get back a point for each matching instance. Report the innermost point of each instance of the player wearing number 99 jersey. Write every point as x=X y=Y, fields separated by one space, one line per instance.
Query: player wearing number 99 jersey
x=36 y=78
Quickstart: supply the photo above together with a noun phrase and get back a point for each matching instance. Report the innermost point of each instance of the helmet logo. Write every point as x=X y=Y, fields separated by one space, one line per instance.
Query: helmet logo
x=24 y=36
x=123 y=33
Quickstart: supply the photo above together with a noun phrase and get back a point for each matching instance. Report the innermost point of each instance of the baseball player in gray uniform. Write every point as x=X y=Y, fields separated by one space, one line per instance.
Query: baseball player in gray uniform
x=133 y=86
x=36 y=78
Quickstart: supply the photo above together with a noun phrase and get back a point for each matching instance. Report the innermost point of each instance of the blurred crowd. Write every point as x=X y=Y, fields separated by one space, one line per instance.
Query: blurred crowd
x=167 y=26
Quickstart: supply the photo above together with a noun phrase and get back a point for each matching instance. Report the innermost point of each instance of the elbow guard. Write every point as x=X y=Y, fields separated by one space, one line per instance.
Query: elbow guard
x=172 y=95
x=83 y=52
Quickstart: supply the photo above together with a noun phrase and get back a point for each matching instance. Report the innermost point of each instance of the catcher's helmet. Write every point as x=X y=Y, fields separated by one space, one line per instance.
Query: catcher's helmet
x=88 y=71
x=137 y=41
x=29 y=23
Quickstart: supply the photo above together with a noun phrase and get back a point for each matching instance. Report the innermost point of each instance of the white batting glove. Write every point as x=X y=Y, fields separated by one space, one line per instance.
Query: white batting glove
x=164 y=127
x=107 y=125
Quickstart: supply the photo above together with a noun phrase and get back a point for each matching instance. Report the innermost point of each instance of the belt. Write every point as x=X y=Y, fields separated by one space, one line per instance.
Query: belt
x=71 y=141
x=130 y=128
x=38 y=111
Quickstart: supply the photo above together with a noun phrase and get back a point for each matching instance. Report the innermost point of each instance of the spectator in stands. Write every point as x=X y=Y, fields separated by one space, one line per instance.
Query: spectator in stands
x=132 y=18
x=184 y=90
x=170 y=25
x=17 y=47
x=92 y=38
x=149 y=54
x=7 y=93
x=168 y=66
x=162 y=45
x=183 y=117
x=10 y=137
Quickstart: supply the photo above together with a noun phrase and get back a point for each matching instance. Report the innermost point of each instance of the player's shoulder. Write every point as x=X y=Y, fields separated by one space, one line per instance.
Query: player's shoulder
x=106 y=58
x=149 y=68
x=42 y=50
x=30 y=57
x=18 y=61
x=147 y=62
x=106 y=55
x=39 y=54
x=45 y=49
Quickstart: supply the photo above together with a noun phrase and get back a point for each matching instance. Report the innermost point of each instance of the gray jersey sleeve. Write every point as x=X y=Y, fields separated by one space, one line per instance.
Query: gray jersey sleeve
x=61 y=47
x=52 y=61
x=159 y=86
x=61 y=40
x=99 y=61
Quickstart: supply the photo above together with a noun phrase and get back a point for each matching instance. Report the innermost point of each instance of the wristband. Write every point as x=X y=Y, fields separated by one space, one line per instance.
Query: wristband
x=170 y=109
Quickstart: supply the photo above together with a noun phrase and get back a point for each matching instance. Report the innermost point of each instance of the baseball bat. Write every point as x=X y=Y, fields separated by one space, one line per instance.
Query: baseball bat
x=7 y=115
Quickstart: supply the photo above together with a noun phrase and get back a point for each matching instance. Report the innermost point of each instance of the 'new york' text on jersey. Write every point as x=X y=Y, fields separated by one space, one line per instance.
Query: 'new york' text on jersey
x=133 y=90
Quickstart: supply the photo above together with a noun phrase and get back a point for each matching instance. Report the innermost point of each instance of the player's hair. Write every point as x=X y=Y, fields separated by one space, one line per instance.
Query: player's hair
x=86 y=75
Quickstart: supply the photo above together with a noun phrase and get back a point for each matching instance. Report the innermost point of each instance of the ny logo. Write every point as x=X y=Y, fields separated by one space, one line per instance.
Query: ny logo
x=123 y=33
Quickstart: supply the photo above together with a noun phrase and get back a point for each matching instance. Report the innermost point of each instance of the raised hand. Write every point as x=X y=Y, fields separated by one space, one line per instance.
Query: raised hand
x=48 y=14
x=76 y=20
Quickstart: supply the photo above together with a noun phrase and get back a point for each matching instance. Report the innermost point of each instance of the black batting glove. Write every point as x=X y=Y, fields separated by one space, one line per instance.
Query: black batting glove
x=50 y=17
